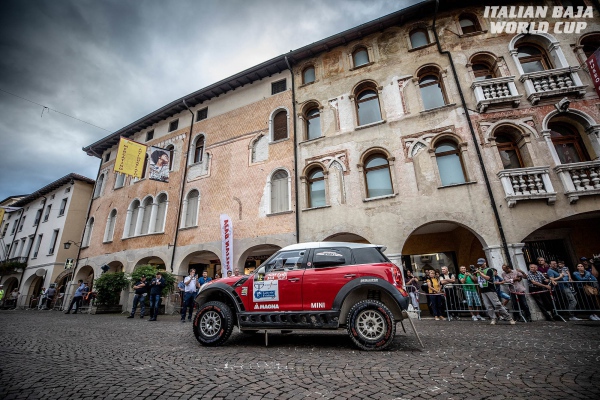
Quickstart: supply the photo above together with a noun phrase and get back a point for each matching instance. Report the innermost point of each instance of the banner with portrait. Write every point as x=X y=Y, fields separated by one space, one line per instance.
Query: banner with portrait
x=159 y=164
x=130 y=158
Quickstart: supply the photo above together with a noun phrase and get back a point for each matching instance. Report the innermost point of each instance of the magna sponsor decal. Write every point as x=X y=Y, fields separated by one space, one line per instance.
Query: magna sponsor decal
x=266 y=291
x=369 y=280
x=266 y=306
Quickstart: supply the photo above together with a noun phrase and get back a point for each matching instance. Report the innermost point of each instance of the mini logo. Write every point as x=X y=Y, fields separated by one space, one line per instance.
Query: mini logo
x=317 y=305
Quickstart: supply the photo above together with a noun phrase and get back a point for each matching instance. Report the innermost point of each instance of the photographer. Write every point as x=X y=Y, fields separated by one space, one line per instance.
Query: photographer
x=485 y=277
x=515 y=277
x=156 y=287
x=191 y=285
x=141 y=291
x=470 y=290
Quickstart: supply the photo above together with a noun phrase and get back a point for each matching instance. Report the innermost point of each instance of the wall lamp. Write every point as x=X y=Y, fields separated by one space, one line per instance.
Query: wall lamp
x=69 y=243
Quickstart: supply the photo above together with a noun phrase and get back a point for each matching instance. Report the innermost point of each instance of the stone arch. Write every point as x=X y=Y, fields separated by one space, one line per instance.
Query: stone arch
x=154 y=258
x=584 y=123
x=204 y=258
x=346 y=237
x=255 y=255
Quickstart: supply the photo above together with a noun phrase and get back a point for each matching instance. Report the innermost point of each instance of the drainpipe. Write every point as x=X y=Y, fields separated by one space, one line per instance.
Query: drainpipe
x=182 y=186
x=474 y=137
x=295 y=151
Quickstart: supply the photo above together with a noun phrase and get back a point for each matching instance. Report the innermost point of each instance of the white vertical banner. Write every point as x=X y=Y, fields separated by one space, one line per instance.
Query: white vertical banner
x=226 y=245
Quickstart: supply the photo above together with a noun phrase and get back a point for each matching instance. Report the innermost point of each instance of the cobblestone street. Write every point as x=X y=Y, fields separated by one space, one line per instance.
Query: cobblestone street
x=49 y=355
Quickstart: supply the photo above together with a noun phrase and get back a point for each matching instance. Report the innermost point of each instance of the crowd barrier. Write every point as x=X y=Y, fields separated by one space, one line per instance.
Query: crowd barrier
x=575 y=298
x=414 y=306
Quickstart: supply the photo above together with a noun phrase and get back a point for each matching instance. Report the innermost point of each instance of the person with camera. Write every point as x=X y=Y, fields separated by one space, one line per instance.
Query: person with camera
x=156 y=287
x=467 y=279
x=539 y=287
x=517 y=293
x=485 y=278
x=141 y=291
x=191 y=285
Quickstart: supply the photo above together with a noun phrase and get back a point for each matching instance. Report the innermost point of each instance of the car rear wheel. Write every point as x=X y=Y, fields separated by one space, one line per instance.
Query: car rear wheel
x=371 y=325
x=213 y=323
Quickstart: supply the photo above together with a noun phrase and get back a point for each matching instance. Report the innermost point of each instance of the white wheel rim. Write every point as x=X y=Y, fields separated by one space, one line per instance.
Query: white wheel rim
x=370 y=325
x=210 y=323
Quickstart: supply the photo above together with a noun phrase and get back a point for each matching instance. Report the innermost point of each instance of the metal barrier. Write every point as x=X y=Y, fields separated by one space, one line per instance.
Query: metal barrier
x=518 y=303
x=543 y=299
x=414 y=308
x=172 y=302
x=462 y=298
x=576 y=297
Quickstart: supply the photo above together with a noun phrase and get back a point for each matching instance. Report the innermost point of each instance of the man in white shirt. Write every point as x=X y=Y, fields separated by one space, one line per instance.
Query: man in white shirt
x=191 y=285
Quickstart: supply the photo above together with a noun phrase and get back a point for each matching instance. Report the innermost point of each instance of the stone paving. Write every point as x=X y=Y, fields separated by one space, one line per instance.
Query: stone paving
x=49 y=355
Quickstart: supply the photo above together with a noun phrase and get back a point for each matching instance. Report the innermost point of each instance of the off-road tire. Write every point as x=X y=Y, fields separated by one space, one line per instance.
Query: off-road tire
x=371 y=325
x=213 y=323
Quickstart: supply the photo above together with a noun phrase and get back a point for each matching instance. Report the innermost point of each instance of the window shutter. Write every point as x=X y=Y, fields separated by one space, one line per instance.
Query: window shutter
x=280 y=126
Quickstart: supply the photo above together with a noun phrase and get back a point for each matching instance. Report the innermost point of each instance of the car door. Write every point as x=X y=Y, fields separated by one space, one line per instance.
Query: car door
x=329 y=270
x=277 y=286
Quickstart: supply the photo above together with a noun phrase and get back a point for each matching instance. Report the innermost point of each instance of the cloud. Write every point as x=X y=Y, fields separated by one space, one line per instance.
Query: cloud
x=112 y=62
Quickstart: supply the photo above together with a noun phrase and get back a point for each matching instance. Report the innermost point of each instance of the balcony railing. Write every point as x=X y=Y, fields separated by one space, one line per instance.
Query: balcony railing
x=527 y=184
x=552 y=82
x=580 y=179
x=496 y=91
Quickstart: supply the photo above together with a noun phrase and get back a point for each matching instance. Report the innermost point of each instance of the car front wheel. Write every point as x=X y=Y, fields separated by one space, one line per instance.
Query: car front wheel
x=371 y=325
x=213 y=323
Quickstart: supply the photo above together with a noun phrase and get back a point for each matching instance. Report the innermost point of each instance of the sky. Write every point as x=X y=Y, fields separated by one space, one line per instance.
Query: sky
x=109 y=63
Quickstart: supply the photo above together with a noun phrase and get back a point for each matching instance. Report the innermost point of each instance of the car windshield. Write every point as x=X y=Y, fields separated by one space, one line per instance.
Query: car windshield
x=282 y=261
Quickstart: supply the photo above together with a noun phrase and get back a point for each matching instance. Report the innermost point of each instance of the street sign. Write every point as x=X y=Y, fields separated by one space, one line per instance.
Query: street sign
x=69 y=263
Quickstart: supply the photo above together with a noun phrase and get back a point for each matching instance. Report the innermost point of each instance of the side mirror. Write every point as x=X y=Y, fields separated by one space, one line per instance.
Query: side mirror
x=328 y=259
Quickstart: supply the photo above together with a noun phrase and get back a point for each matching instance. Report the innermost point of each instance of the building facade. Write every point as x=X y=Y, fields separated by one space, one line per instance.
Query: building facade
x=34 y=233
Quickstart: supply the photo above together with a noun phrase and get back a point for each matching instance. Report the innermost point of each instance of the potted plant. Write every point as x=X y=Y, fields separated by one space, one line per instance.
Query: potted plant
x=108 y=288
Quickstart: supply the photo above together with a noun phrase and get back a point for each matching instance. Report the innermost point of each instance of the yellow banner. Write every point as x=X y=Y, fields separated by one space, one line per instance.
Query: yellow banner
x=130 y=158
x=1 y=214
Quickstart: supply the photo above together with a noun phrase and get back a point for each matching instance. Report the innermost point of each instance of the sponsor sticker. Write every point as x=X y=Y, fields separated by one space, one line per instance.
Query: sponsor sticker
x=266 y=306
x=329 y=254
x=266 y=291
x=369 y=280
x=245 y=291
x=274 y=276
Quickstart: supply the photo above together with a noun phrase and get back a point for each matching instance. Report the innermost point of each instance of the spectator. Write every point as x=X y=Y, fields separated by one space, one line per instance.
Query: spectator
x=156 y=287
x=542 y=266
x=564 y=293
x=217 y=276
x=50 y=293
x=589 y=290
x=42 y=298
x=77 y=298
x=470 y=291
x=515 y=277
x=141 y=291
x=1 y=293
x=502 y=295
x=539 y=287
x=191 y=285
x=485 y=277
x=236 y=272
x=589 y=266
x=447 y=280
x=204 y=278
x=14 y=296
x=228 y=273
x=435 y=294
x=412 y=285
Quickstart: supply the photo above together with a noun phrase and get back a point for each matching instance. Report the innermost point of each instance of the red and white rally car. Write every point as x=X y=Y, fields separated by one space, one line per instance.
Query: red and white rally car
x=321 y=285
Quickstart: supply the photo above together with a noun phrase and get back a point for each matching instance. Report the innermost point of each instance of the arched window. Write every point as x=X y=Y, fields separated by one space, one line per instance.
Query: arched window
x=110 y=226
x=367 y=105
x=568 y=143
x=191 y=214
x=432 y=90
x=280 y=199
x=133 y=211
x=280 y=126
x=360 y=57
x=419 y=37
x=199 y=149
x=260 y=149
x=590 y=44
x=483 y=71
x=468 y=24
x=171 y=149
x=87 y=236
x=449 y=163
x=119 y=180
x=313 y=123
x=161 y=212
x=147 y=212
x=308 y=75
x=532 y=58
x=509 y=151
x=98 y=188
x=316 y=188
x=377 y=176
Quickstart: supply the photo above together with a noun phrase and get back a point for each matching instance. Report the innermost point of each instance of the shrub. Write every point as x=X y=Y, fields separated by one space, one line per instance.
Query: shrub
x=109 y=286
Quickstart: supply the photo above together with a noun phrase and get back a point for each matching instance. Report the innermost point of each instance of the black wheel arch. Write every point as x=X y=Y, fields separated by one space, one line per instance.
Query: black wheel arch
x=223 y=293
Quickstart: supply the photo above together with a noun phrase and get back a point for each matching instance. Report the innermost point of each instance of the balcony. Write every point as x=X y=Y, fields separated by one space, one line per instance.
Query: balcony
x=580 y=179
x=11 y=265
x=527 y=184
x=553 y=82
x=496 y=91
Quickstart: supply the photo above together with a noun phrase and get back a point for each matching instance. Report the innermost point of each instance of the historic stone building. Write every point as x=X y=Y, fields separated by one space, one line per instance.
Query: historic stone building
x=390 y=153
x=231 y=151
x=33 y=235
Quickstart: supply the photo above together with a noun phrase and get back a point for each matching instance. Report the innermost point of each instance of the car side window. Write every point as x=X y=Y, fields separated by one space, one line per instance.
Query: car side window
x=331 y=257
x=284 y=261
x=369 y=255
